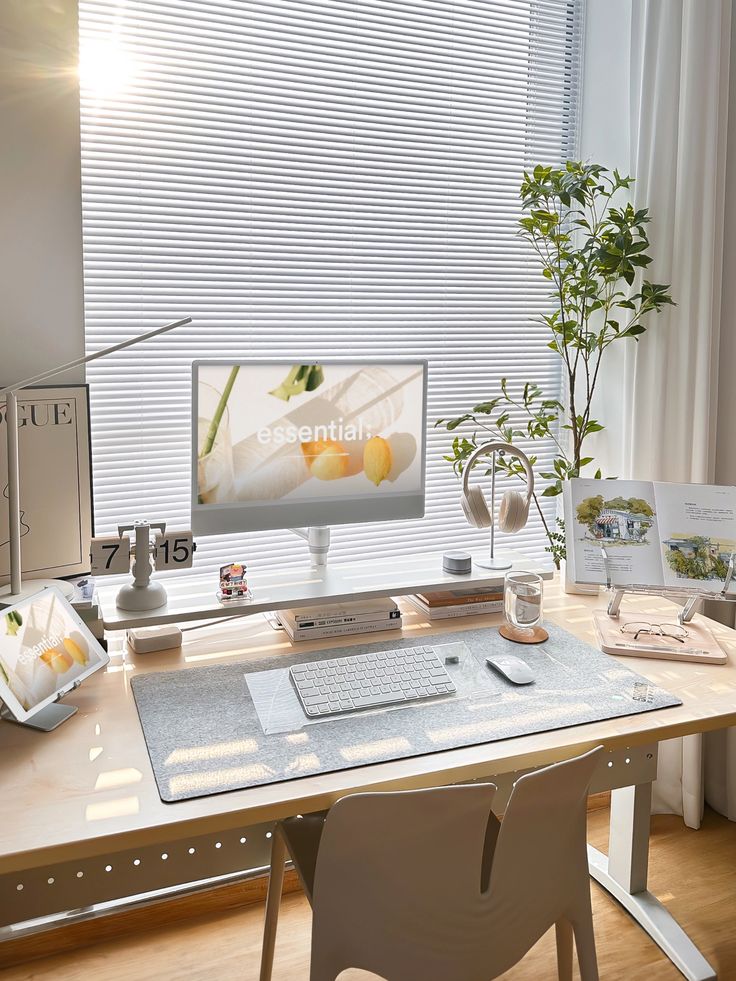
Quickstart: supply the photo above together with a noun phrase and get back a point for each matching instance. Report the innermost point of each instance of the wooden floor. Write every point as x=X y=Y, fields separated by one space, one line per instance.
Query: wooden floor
x=693 y=872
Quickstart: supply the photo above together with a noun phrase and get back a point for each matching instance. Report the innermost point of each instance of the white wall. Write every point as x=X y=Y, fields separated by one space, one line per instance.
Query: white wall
x=604 y=127
x=726 y=430
x=41 y=290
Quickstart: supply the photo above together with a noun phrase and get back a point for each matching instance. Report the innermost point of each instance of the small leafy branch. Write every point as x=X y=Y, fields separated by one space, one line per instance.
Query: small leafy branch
x=591 y=252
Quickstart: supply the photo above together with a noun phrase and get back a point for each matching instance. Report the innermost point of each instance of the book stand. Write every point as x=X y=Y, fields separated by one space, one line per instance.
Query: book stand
x=689 y=596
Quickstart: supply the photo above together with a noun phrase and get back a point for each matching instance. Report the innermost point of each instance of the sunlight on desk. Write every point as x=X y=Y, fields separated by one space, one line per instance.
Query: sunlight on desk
x=212 y=781
x=220 y=655
x=542 y=716
x=194 y=754
x=104 y=810
x=114 y=779
x=305 y=763
x=297 y=737
x=368 y=751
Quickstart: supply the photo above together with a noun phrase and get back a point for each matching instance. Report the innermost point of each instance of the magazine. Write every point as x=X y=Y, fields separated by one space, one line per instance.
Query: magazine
x=654 y=534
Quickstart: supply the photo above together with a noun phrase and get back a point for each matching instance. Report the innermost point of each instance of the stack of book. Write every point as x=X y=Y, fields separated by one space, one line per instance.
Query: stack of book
x=339 y=619
x=86 y=604
x=447 y=603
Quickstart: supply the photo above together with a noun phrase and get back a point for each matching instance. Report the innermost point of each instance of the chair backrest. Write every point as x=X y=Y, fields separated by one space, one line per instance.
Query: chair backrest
x=398 y=882
x=540 y=864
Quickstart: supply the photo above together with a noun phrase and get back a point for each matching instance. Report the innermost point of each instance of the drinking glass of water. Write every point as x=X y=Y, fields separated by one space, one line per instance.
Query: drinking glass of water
x=523 y=593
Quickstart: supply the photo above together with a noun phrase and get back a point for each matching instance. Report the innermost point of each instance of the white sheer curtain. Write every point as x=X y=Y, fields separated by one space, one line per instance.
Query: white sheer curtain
x=679 y=113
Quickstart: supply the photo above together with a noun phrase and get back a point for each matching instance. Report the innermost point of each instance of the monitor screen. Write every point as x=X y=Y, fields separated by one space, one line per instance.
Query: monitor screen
x=44 y=648
x=277 y=443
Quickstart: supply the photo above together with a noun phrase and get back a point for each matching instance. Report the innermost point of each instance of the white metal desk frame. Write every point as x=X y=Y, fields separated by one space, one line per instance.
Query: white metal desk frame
x=624 y=872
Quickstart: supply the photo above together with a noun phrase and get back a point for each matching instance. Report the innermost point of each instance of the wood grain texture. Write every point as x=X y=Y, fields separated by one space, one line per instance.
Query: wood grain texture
x=63 y=807
x=693 y=872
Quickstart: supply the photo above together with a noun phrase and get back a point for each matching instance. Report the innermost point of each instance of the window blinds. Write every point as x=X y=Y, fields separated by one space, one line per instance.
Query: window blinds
x=306 y=179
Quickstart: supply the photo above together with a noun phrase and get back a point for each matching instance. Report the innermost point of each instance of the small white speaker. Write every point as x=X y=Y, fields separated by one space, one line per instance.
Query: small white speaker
x=456 y=562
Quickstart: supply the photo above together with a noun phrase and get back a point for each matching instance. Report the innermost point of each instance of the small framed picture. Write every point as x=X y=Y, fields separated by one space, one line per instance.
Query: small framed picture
x=55 y=483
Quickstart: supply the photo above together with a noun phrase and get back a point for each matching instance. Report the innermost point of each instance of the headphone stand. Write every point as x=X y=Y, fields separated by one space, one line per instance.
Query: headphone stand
x=494 y=562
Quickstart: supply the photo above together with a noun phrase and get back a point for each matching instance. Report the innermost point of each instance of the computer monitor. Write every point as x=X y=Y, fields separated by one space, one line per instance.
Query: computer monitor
x=277 y=444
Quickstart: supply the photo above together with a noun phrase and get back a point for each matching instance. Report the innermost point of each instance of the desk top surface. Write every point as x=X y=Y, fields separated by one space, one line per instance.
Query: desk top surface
x=89 y=785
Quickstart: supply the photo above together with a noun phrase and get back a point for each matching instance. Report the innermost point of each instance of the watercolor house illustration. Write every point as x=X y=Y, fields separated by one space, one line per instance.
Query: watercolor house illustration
x=614 y=524
x=689 y=547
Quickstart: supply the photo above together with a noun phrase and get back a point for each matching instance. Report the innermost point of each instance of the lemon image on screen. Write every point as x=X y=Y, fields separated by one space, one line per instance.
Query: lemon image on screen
x=327 y=459
x=377 y=459
x=70 y=651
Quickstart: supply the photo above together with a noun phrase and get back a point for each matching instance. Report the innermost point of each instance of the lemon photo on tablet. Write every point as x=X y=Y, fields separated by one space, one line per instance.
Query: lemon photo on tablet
x=46 y=650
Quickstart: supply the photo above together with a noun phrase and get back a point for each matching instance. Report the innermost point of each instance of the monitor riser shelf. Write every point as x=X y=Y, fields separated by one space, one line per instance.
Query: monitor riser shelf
x=194 y=597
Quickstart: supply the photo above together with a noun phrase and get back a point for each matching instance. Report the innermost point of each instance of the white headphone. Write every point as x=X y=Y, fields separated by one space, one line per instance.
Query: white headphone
x=514 y=509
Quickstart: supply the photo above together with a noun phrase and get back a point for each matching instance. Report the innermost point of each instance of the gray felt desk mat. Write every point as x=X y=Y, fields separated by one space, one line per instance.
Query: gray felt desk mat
x=204 y=736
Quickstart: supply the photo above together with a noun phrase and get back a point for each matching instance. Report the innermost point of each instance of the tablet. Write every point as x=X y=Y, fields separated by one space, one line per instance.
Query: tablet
x=46 y=650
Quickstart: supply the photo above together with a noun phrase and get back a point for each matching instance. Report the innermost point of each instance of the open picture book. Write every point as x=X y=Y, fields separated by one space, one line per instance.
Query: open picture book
x=654 y=534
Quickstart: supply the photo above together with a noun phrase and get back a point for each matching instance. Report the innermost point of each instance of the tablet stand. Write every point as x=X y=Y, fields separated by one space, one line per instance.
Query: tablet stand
x=691 y=596
x=46 y=719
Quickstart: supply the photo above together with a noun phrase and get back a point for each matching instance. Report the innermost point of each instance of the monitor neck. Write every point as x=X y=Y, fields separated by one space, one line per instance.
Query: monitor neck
x=318 y=540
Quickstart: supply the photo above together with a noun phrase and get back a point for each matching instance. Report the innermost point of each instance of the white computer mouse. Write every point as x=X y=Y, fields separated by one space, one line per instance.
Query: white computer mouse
x=517 y=671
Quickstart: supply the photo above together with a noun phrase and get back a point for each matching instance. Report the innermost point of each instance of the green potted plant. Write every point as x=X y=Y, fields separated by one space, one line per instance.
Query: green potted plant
x=592 y=251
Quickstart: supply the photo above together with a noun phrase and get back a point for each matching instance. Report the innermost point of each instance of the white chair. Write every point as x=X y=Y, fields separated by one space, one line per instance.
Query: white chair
x=430 y=884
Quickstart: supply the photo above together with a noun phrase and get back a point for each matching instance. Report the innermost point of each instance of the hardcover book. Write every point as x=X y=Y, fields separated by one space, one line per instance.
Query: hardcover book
x=341 y=630
x=380 y=607
x=336 y=621
x=456 y=609
x=461 y=597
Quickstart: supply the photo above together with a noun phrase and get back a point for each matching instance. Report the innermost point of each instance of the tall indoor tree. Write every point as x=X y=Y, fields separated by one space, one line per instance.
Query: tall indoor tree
x=593 y=248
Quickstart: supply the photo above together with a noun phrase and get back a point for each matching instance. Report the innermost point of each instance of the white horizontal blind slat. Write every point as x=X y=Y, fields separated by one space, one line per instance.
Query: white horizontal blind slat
x=315 y=178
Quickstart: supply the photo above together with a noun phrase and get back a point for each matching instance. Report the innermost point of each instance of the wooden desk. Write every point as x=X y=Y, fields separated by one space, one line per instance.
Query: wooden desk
x=74 y=797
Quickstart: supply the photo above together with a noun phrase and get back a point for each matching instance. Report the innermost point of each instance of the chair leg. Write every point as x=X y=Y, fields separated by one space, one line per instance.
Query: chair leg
x=585 y=946
x=563 y=932
x=273 y=901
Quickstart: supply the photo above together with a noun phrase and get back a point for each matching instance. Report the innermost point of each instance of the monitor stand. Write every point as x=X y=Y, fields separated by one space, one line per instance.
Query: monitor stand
x=318 y=540
x=47 y=719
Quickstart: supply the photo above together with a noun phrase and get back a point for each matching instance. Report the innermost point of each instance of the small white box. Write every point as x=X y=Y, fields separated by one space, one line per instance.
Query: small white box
x=146 y=640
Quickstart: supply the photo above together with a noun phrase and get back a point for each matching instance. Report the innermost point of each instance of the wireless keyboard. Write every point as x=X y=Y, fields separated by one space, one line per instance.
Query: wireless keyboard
x=344 y=684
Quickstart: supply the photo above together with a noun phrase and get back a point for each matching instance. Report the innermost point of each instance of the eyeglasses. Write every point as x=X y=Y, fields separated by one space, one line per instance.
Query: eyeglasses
x=673 y=630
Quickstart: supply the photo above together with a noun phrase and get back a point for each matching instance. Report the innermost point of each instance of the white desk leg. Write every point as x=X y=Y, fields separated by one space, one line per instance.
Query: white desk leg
x=624 y=875
x=628 y=847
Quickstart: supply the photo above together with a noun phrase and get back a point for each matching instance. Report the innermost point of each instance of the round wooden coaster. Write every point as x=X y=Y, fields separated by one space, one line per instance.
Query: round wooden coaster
x=537 y=635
